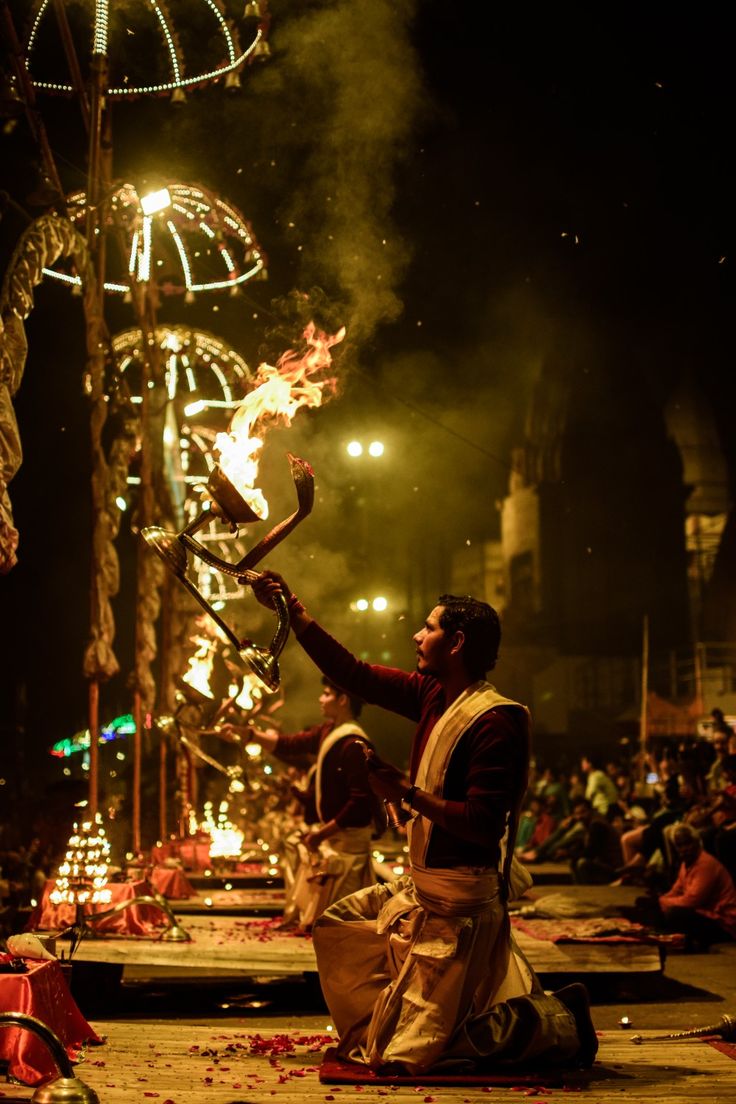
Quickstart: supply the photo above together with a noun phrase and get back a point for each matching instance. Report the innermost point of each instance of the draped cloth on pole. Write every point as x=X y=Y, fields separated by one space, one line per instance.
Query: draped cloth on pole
x=42 y=243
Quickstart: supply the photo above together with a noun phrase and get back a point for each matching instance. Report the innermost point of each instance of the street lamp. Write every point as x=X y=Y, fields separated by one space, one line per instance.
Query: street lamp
x=378 y=604
x=356 y=449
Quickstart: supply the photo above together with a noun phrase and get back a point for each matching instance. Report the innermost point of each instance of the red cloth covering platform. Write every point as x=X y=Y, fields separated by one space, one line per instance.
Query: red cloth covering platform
x=172 y=882
x=193 y=852
x=137 y=920
x=42 y=993
x=336 y=1071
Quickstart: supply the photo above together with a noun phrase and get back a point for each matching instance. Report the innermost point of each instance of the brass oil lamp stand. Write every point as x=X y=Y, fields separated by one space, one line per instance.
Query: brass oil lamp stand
x=66 y=1089
x=228 y=503
x=84 y=922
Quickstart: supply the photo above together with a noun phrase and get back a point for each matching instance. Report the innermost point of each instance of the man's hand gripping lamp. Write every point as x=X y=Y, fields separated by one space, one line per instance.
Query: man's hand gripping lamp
x=229 y=504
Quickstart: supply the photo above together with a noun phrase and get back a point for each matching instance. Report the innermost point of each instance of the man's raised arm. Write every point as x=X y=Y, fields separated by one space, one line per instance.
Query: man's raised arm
x=388 y=687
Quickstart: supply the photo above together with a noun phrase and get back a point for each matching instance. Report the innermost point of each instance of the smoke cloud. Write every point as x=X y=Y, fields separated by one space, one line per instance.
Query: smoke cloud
x=352 y=67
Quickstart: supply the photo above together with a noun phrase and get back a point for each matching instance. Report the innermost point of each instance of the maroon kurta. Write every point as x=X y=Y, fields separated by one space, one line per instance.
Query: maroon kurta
x=487 y=769
x=346 y=796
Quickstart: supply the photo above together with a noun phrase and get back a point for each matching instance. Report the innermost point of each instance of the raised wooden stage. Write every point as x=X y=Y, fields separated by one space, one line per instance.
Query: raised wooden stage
x=227 y=941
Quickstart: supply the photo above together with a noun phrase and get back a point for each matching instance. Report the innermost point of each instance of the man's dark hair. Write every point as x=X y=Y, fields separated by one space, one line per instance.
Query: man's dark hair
x=480 y=626
x=356 y=704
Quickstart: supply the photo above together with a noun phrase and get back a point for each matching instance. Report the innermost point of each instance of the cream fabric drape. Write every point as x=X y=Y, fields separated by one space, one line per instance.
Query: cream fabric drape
x=424 y=972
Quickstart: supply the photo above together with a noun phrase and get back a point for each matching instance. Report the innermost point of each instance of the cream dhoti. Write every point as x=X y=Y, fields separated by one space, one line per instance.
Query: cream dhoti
x=341 y=865
x=424 y=972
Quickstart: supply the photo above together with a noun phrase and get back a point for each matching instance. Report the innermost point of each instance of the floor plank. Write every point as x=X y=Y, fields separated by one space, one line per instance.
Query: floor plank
x=226 y=1062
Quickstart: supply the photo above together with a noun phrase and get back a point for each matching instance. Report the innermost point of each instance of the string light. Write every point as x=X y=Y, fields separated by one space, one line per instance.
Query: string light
x=235 y=56
x=171 y=223
x=169 y=42
x=99 y=41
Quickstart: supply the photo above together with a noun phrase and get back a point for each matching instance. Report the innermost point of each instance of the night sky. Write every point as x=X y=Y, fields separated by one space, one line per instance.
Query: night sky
x=478 y=193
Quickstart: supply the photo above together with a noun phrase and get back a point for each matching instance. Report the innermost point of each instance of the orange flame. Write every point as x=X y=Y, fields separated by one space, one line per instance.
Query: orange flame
x=278 y=393
x=200 y=665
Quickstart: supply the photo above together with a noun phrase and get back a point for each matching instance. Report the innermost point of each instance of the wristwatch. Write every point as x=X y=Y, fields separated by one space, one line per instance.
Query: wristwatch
x=406 y=801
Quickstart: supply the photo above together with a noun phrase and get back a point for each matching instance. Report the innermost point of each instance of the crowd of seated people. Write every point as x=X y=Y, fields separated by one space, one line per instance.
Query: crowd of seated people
x=666 y=822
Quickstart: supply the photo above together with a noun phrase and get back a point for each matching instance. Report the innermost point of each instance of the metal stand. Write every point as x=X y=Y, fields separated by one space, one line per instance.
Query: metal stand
x=84 y=921
x=66 y=1089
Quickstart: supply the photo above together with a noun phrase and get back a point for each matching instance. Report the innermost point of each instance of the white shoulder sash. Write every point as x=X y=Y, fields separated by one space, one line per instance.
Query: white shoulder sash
x=477 y=699
x=337 y=734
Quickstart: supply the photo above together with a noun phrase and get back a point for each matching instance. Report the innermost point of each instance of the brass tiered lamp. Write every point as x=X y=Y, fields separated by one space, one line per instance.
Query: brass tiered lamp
x=227 y=502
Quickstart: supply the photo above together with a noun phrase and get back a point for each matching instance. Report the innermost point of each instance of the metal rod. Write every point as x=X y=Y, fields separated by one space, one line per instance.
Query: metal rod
x=94 y=746
x=162 y=811
x=33 y=115
x=136 y=818
x=38 y=1028
x=72 y=61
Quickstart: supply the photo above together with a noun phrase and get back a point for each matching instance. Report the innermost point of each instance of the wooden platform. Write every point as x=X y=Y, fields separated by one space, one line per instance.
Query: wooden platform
x=231 y=1062
x=206 y=883
x=251 y=948
x=550 y=873
x=234 y=902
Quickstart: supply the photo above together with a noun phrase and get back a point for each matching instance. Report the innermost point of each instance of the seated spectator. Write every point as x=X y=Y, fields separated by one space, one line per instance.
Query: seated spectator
x=702 y=901
x=690 y=768
x=719 y=831
x=535 y=825
x=600 y=789
x=714 y=779
x=595 y=854
x=639 y=844
x=625 y=789
x=575 y=787
x=720 y=808
x=550 y=785
x=721 y=727
x=556 y=845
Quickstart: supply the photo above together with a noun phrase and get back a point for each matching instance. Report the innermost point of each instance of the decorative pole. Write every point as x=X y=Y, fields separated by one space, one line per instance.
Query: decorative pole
x=98 y=175
x=643 y=725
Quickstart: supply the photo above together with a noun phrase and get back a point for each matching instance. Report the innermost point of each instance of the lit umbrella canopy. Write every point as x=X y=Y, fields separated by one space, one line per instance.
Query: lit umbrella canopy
x=147 y=52
x=180 y=237
x=203 y=371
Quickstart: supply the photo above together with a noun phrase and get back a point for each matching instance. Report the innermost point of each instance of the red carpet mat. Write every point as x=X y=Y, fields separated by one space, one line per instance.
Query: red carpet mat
x=334 y=1071
x=595 y=929
x=725 y=1048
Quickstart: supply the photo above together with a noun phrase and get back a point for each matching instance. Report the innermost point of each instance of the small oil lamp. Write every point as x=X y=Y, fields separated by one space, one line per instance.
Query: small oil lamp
x=228 y=503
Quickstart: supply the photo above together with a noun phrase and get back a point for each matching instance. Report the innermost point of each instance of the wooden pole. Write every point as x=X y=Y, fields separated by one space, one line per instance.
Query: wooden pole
x=699 y=665
x=94 y=746
x=96 y=244
x=643 y=726
x=137 y=741
x=162 y=811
